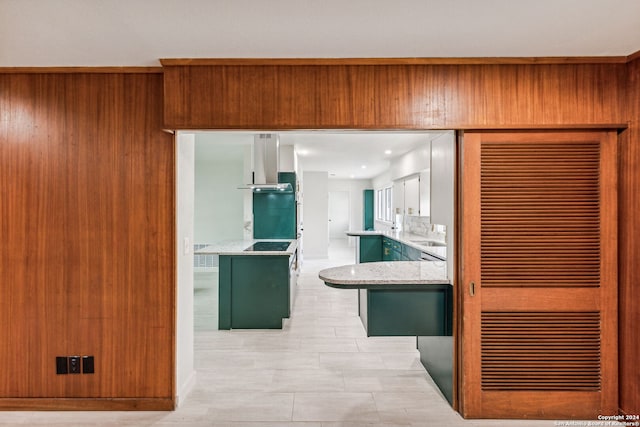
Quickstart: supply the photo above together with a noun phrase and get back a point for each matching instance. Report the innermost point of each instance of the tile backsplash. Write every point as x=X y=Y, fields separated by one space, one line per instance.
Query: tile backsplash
x=422 y=226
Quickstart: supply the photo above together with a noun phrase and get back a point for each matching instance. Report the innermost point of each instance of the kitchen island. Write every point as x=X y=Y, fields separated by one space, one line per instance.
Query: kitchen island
x=257 y=280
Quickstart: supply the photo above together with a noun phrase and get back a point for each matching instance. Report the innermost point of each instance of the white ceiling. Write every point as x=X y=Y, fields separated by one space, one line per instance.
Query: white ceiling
x=139 y=32
x=341 y=154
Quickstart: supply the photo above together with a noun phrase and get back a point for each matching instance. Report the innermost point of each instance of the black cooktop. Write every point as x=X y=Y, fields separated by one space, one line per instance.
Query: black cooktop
x=268 y=246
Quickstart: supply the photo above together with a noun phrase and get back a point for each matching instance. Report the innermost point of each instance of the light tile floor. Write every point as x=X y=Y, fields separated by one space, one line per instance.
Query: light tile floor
x=320 y=370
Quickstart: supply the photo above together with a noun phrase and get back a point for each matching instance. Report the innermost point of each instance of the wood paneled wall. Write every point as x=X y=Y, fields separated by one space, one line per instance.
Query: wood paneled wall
x=87 y=241
x=393 y=96
x=87 y=194
x=629 y=204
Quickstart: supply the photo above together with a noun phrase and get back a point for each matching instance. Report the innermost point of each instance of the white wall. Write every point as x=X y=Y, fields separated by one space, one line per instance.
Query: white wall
x=412 y=162
x=219 y=204
x=442 y=189
x=185 y=373
x=287 y=160
x=315 y=190
x=355 y=187
x=382 y=180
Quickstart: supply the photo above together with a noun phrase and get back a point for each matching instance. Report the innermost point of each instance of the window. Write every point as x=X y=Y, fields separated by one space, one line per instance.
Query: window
x=384 y=206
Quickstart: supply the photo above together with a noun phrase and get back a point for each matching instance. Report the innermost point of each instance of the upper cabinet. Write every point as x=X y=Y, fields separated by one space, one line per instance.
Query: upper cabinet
x=398 y=197
x=408 y=195
x=412 y=195
x=423 y=180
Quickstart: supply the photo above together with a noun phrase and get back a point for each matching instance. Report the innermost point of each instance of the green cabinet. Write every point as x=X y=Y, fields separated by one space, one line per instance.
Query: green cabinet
x=436 y=355
x=274 y=213
x=370 y=248
x=404 y=310
x=382 y=248
x=253 y=292
x=367 y=210
x=391 y=250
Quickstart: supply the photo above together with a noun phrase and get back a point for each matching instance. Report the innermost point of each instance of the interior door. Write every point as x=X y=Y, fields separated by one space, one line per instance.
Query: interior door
x=539 y=275
x=338 y=214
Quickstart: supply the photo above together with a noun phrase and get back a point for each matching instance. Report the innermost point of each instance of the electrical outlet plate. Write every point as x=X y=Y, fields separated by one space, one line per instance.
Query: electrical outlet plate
x=87 y=365
x=74 y=364
x=62 y=367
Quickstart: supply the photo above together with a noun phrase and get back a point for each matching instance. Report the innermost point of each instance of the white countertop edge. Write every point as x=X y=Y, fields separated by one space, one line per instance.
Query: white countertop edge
x=237 y=247
x=387 y=273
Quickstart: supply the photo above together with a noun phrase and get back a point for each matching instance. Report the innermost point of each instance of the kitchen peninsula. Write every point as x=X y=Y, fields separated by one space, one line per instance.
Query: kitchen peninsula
x=403 y=289
x=402 y=297
x=257 y=281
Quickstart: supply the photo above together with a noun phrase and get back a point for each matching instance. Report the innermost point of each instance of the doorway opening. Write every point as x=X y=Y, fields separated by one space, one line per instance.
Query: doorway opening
x=323 y=340
x=338 y=215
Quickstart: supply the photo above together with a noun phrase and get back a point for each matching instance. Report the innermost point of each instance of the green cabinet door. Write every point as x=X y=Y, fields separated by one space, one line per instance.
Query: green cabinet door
x=367 y=209
x=370 y=248
x=253 y=291
x=274 y=213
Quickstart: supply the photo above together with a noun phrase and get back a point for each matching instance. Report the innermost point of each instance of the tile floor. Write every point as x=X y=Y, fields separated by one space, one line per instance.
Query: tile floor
x=320 y=370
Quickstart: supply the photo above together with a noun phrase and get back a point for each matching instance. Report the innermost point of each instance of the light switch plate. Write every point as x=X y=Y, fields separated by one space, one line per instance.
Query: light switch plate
x=186 y=246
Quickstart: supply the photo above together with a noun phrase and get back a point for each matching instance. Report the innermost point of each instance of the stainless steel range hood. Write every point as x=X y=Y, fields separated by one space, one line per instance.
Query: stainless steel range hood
x=266 y=154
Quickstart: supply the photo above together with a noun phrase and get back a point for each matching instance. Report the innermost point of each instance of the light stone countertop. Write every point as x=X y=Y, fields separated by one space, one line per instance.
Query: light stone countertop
x=237 y=247
x=372 y=274
x=408 y=239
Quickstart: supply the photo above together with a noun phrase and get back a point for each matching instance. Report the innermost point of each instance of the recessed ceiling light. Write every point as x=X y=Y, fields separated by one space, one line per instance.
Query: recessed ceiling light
x=387 y=151
x=352 y=176
x=363 y=166
x=303 y=152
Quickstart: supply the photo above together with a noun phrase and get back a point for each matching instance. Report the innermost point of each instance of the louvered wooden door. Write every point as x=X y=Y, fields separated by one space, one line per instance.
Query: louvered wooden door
x=539 y=275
